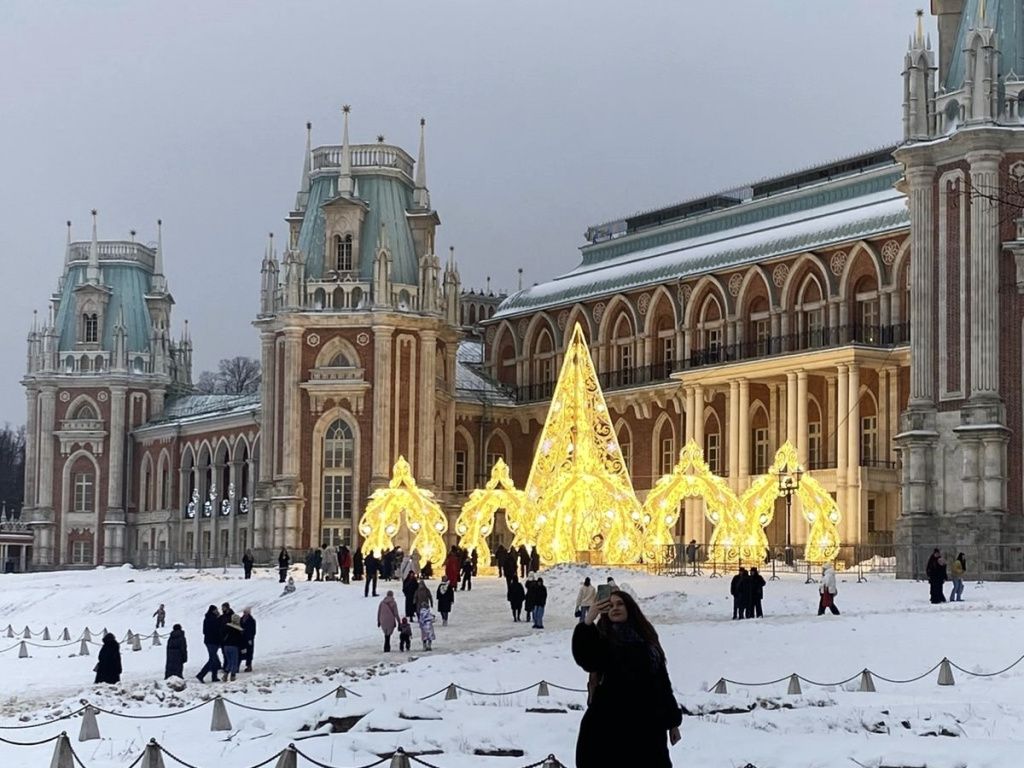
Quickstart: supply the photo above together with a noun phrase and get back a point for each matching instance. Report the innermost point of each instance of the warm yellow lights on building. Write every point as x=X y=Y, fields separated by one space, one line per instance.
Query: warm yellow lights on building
x=476 y=521
x=423 y=517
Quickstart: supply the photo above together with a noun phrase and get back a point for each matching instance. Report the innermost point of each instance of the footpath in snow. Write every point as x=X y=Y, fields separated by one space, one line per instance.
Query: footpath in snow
x=325 y=636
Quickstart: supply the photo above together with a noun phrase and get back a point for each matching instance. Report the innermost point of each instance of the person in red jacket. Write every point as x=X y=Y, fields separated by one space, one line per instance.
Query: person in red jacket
x=452 y=565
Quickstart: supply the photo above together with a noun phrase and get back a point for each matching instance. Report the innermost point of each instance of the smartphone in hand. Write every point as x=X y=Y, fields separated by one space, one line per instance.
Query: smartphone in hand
x=604 y=591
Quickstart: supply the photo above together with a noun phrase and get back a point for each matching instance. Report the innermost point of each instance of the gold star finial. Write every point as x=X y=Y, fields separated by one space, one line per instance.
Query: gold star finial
x=346 y=108
x=380 y=138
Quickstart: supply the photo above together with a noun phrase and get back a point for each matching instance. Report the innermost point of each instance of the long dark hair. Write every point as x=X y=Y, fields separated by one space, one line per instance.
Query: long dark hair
x=637 y=621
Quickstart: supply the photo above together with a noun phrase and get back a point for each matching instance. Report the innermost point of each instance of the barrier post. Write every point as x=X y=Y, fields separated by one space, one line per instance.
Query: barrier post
x=220 y=720
x=399 y=759
x=452 y=693
x=22 y=650
x=152 y=757
x=794 y=685
x=288 y=759
x=62 y=756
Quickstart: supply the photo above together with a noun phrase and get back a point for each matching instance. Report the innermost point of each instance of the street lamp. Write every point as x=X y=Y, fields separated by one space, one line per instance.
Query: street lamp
x=789 y=483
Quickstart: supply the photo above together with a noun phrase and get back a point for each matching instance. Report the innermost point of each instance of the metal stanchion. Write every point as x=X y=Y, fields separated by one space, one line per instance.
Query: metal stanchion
x=774 y=576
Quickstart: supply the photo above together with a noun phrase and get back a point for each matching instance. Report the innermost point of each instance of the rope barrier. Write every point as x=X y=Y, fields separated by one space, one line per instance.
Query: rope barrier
x=809 y=681
x=283 y=709
x=78 y=711
x=175 y=713
x=317 y=763
x=539 y=683
x=28 y=743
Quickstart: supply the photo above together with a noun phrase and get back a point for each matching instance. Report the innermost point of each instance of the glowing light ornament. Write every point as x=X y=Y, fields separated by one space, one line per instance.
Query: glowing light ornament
x=816 y=505
x=580 y=498
x=692 y=478
x=423 y=517
x=476 y=521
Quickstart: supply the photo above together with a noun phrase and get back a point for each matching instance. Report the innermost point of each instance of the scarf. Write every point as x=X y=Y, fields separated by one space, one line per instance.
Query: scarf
x=624 y=633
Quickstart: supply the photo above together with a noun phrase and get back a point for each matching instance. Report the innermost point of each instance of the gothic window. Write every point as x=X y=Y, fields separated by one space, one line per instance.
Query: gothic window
x=760 y=451
x=762 y=336
x=338 y=465
x=90 y=328
x=165 y=489
x=713 y=451
x=83 y=485
x=545 y=361
x=815 y=459
x=86 y=412
x=668 y=455
x=81 y=552
x=868 y=440
x=626 y=446
x=341 y=361
x=343 y=253
x=460 y=471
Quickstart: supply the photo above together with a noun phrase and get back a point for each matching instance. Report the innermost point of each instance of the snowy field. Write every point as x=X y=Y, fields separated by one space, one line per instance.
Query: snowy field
x=325 y=635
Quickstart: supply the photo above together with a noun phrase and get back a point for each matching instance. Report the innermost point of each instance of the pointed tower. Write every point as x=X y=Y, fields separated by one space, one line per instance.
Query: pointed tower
x=421 y=195
x=382 y=293
x=159 y=282
x=579 y=494
x=452 y=290
x=269 y=279
x=92 y=272
x=345 y=187
x=302 y=198
x=919 y=87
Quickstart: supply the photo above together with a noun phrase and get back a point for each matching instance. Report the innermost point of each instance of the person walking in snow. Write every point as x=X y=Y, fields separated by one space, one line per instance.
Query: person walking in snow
x=247 y=561
x=409 y=587
x=499 y=560
x=160 y=614
x=585 y=598
x=345 y=563
x=524 y=565
x=937 y=577
x=452 y=565
x=404 y=635
x=467 y=573
x=736 y=590
x=445 y=598
x=958 y=569
x=632 y=693
x=827 y=590
x=330 y=563
x=529 y=589
x=540 y=600
x=233 y=644
x=387 y=618
x=372 y=565
x=534 y=559
x=284 y=560
x=310 y=561
x=357 y=565
x=213 y=636
x=177 y=653
x=405 y=568
x=757 y=583
x=108 y=666
x=426 y=622
x=515 y=596
x=248 y=636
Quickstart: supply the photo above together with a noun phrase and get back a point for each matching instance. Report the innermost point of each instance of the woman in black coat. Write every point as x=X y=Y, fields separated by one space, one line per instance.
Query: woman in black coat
x=515 y=595
x=409 y=587
x=632 y=695
x=177 y=653
x=108 y=668
x=284 y=560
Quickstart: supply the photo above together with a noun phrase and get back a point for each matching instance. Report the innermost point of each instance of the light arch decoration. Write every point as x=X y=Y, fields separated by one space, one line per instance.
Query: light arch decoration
x=423 y=517
x=476 y=521
x=817 y=506
x=733 y=537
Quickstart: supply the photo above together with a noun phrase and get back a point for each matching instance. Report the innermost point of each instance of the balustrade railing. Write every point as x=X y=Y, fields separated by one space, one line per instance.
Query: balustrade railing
x=364 y=156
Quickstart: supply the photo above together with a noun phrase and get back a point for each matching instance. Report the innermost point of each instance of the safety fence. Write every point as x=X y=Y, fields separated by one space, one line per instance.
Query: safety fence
x=84 y=640
x=866 y=678
x=152 y=756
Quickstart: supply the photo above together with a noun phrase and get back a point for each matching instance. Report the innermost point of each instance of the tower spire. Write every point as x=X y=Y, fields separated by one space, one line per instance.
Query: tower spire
x=919 y=34
x=302 y=198
x=92 y=272
x=345 y=179
x=67 y=249
x=159 y=282
x=421 y=196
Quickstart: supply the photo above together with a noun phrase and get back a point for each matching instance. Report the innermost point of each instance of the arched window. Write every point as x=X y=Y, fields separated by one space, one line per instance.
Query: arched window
x=341 y=360
x=86 y=412
x=90 y=328
x=338 y=476
x=343 y=253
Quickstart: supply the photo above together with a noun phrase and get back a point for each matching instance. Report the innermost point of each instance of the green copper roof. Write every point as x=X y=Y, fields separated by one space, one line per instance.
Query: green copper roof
x=1006 y=17
x=128 y=284
x=387 y=199
x=713 y=251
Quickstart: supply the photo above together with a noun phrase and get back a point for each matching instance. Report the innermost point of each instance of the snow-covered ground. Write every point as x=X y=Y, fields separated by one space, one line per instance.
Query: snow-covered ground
x=325 y=635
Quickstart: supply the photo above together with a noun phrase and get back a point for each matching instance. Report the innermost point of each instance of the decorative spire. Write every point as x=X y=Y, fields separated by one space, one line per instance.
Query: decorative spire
x=919 y=34
x=520 y=278
x=67 y=249
x=92 y=272
x=421 y=197
x=159 y=282
x=345 y=179
x=302 y=197
x=982 y=13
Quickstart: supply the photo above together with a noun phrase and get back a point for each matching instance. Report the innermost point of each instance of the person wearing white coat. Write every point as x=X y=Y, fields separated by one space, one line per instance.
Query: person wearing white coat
x=330 y=563
x=585 y=598
x=827 y=591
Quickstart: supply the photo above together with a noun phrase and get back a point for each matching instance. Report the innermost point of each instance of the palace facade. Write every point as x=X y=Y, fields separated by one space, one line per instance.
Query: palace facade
x=868 y=310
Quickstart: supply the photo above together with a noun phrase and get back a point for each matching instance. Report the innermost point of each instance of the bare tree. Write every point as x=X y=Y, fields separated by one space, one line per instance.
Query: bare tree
x=234 y=376
x=12 y=467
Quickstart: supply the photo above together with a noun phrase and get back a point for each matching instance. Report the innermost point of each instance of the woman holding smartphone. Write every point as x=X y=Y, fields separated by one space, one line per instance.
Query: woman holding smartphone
x=633 y=695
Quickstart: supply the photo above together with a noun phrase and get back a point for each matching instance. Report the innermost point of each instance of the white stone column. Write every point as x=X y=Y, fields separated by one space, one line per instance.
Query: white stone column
x=922 y=280
x=831 y=420
x=894 y=411
x=690 y=407
x=268 y=389
x=852 y=526
x=31 y=444
x=801 y=417
x=744 y=428
x=985 y=257
x=884 y=434
x=698 y=415
x=113 y=516
x=842 y=439
x=791 y=409
x=292 y=401
x=427 y=375
x=381 y=403
x=48 y=400
x=733 y=422
x=773 y=418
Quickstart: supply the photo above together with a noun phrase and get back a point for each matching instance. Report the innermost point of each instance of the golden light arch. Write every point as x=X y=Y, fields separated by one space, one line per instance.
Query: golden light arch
x=424 y=518
x=817 y=506
x=733 y=537
x=476 y=521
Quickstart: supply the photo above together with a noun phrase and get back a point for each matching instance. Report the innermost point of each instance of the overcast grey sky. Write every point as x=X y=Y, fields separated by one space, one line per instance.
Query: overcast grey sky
x=543 y=117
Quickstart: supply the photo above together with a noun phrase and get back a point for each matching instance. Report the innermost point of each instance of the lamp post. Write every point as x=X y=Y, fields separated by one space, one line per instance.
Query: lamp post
x=789 y=483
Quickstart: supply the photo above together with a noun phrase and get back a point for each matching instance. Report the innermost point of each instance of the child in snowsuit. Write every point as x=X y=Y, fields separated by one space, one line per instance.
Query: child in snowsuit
x=404 y=635
x=160 y=614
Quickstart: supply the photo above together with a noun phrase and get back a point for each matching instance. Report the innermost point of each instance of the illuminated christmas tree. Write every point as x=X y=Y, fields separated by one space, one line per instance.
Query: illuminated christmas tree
x=476 y=521
x=579 y=495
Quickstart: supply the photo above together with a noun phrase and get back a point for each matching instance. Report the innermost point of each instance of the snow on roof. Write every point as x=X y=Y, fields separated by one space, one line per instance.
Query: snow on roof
x=189 y=407
x=471 y=384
